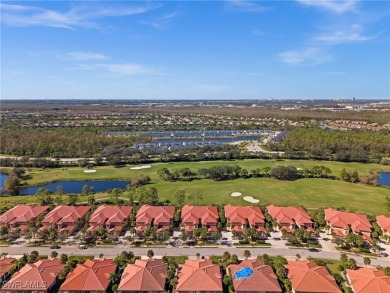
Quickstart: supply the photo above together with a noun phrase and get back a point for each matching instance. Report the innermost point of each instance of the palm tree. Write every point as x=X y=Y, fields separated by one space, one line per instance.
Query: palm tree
x=367 y=261
x=247 y=254
x=150 y=253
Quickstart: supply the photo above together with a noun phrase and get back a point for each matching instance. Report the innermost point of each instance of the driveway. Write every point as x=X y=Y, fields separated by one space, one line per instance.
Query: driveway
x=276 y=243
x=386 y=249
x=327 y=245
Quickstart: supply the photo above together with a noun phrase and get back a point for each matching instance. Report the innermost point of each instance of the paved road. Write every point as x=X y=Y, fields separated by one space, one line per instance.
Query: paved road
x=207 y=251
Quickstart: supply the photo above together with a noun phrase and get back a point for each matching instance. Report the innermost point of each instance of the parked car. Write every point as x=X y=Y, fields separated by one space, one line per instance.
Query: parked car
x=55 y=247
x=277 y=238
x=313 y=250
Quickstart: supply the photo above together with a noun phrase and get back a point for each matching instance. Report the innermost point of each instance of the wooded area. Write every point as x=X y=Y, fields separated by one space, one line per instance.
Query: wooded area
x=316 y=143
x=59 y=142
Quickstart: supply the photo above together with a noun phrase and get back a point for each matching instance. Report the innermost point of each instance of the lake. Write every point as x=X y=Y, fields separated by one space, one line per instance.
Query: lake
x=384 y=179
x=71 y=186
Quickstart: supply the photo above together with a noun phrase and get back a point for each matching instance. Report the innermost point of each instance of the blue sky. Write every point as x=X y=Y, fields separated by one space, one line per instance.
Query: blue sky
x=234 y=49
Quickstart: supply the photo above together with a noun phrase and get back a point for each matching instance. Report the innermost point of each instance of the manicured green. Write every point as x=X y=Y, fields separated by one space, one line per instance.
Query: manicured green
x=39 y=176
x=312 y=193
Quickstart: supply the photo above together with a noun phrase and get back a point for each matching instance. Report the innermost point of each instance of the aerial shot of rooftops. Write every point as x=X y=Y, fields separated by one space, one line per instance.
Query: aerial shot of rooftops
x=195 y=146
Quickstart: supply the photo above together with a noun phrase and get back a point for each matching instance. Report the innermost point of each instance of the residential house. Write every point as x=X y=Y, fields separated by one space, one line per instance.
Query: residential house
x=343 y=223
x=20 y=215
x=91 y=276
x=290 y=218
x=263 y=279
x=384 y=223
x=159 y=217
x=109 y=217
x=6 y=264
x=64 y=218
x=193 y=217
x=368 y=280
x=144 y=276
x=40 y=276
x=240 y=218
x=307 y=277
x=199 y=276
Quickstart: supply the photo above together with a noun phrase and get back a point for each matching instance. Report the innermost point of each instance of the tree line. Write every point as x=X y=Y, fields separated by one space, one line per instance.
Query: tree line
x=228 y=172
x=316 y=143
x=59 y=142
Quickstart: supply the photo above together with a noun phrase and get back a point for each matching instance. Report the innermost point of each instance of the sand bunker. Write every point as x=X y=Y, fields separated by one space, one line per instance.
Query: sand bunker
x=141 y=167
x=251 y=199
x=236 y=194
x=89 y=171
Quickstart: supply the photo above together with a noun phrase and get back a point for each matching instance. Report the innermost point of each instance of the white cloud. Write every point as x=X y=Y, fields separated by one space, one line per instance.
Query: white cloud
x=127 y=68
x=119 y=68
x=353 y=33
x=163 y=21
x=78 y=16
x=308 y=56
x=336 y=6
x=343 y=37
x=84 y=56
x=245 y=6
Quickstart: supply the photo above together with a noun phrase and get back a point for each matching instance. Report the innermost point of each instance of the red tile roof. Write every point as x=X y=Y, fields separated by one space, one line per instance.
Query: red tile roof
x=202 y=214
x=65 y=214
x=344 y=220
x=369 y=280
x=384 y=223
x=106 y=214
x=93 y=275
x=43 y=273
x=289 y=215
x=144 y=275
x=237 y=214
x=6 y=263
x=160 y=214
x=21 y=213
x=262 y=280
x=199 y=275
x=306 y=276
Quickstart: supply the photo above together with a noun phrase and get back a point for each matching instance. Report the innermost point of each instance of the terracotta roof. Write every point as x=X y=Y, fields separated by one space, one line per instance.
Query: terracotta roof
x=43 y=273
x=160 y=214
x=384 y=223
x=93 y=275
x=144 y=275
x=65 y=214
x=110 y=214
x=307 y=276
x=369 y=280
x=6 y=263
x=344 y=220
x=236 y=214
x=21 y=213
x=338 y=233
x=290 y=215
x=199 y=275
x=262 y=280
x=204 y=214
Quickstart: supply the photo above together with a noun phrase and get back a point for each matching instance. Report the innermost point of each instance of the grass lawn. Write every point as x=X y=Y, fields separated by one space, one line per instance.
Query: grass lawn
x=312 y=193
x=38 y=176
